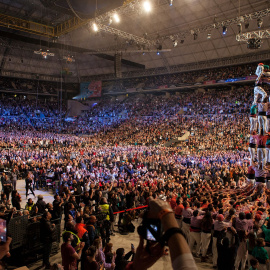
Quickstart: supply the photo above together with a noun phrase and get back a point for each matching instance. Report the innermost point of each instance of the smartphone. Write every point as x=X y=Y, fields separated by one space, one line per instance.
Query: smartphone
x=149 y=235
x=3 y=230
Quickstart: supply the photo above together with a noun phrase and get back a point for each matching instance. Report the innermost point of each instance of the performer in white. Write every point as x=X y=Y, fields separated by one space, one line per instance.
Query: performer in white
x=259 y=72
x=262 y=119
x=252 y=146
x=258 y=89
x=253 y=118
x=268 y=116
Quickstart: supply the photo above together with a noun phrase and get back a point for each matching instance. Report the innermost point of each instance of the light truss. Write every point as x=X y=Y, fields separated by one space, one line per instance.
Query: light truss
x=74 y=23
x=259 y=34
x=127 y=36
x=128 y=51
x=216 y=25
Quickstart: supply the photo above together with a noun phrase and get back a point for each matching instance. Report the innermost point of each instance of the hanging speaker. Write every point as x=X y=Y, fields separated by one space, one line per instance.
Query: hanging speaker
x=117 y=66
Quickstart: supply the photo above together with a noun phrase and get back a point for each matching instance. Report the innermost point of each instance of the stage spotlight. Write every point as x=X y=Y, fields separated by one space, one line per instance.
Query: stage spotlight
x=175 y=43
x=147 y=6
x=116 y=18
x=95 y=27
x=246 y=25
x=110 y=21
x=209 y=36
x=158 y=53
x=224 y=30
x=259 y=23
x=239 y=25
x=159 y=47
x=195 y=36
x=171 y=2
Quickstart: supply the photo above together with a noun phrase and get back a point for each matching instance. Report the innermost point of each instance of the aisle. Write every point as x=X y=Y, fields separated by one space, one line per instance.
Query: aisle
x=47 y=195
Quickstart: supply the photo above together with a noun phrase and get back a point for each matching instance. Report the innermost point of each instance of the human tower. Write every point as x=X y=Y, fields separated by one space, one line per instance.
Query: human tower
x=259 y=129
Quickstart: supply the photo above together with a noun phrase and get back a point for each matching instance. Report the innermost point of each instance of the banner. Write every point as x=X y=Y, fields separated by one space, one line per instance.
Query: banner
x=90 y=89
x=253 y=77
x=209 y=82
x=163 y=87
x=236 y=79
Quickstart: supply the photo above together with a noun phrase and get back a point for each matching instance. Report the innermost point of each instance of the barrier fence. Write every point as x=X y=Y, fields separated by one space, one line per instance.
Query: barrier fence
x=131 y=209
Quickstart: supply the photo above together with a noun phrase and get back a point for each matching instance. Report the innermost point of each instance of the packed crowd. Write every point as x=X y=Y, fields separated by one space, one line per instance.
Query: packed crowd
x=125 y=164
x=180 y=79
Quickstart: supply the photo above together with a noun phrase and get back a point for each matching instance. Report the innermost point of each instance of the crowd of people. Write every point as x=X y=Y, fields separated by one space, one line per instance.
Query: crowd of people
x=180 y=79
x=202 y=182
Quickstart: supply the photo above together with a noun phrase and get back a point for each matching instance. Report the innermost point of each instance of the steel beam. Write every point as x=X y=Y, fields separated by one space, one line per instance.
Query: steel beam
x=259 y=34
x=26 y=26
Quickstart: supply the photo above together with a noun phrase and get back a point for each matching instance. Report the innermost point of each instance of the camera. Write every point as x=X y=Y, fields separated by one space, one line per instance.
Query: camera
x=150 y=229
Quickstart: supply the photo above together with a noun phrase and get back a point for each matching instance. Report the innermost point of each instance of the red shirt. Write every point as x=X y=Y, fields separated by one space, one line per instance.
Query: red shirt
x=261 y=139
x=67 y=260
x=178 y=210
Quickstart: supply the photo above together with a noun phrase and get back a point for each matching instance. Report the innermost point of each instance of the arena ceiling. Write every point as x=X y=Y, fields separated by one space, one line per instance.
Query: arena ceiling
x=164 y=25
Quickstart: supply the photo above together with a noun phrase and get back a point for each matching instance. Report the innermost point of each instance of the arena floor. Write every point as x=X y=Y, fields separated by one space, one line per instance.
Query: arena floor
x=119 y=241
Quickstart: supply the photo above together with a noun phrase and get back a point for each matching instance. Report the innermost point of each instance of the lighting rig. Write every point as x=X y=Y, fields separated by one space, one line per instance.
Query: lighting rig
x=253 y=38
x=44 y=54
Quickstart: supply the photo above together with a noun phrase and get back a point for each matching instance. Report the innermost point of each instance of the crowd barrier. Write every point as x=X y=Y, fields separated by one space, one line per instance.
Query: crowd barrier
x=131 y=209
x=25 y=234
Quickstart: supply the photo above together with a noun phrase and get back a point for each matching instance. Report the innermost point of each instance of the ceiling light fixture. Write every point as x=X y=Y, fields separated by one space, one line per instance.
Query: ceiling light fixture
x=239 y=25
x=116 y=18
x=95 y=27
x=209 y=36
x=147 y=6
x=259 y=23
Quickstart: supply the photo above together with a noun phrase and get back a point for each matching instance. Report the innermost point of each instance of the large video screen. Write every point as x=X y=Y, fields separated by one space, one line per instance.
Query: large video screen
x=91 y=89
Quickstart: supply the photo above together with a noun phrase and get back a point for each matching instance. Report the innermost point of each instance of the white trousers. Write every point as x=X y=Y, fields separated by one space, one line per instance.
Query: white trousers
x=267 y=154
x=242 y=260
x=262 y=120
x=195 y=237
x=261 y=155
x=179 y=221
x=259 y=90
x=252 y=154
x=186 y=230
x=205 y=241
x=214 y=251
x=253 y=123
